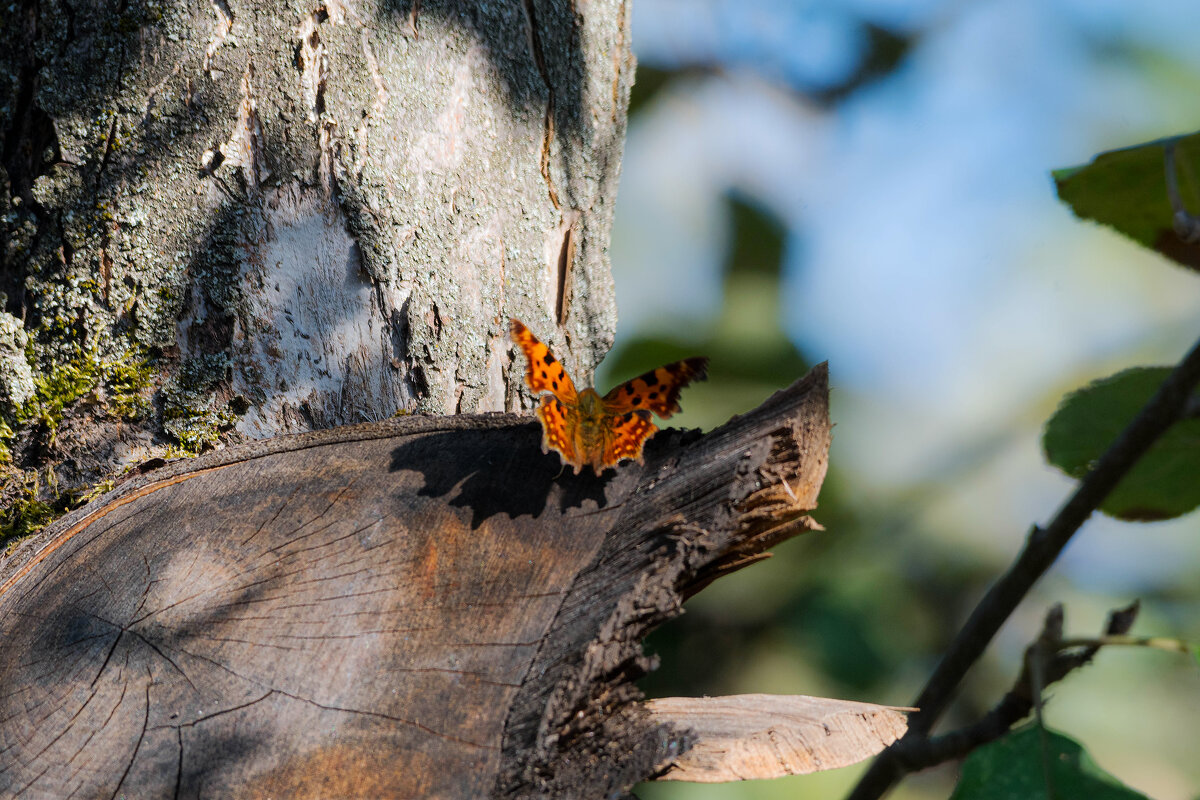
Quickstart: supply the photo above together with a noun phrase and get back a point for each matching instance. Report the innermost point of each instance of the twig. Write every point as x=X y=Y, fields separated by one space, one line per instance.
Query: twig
x=1050 y=652
x=1041 y=549
x=1156 y=642
x=1036 y=657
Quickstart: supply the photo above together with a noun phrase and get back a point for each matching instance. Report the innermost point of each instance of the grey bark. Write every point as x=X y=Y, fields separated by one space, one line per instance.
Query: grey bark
x=298 y=215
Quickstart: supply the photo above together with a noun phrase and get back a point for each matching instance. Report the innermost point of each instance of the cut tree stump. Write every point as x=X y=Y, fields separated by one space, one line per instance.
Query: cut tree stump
x=423 y=607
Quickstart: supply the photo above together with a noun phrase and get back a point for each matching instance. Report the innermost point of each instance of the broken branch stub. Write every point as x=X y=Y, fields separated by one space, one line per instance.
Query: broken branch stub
x=751 y=736
x=418 y=607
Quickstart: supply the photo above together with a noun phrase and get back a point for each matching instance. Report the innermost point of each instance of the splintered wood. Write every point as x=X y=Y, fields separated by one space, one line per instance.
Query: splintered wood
x=743 y=737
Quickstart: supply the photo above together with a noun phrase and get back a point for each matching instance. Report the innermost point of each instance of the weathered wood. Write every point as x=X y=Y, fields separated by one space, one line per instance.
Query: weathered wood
x=750 y=736
x=421 y=607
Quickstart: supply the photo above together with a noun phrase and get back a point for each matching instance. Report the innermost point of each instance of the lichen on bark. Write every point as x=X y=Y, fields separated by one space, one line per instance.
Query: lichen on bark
x=244 y=219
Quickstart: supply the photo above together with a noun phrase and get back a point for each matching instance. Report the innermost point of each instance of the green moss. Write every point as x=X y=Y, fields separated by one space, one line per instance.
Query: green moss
x=91 y=494
x=128 y=380
x=29 y=508
x=197 y=433
x=23 y=519
x=52 y=393
x=189 y=415
x=6 y=437
x=28 y=513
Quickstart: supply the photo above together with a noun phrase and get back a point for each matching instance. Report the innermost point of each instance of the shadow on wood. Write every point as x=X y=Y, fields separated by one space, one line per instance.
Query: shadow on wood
x=419 y=607
x=480 y=471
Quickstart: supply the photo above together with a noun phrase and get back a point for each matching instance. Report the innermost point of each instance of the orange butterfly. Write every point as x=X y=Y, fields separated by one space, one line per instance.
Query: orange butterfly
x=587 y=429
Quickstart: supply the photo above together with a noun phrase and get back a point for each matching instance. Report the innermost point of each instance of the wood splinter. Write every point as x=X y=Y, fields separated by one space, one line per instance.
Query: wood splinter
x=752 y=736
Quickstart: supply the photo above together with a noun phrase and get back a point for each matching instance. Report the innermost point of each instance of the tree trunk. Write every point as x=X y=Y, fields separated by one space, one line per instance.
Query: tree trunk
x=425 y=607
x=231 y=220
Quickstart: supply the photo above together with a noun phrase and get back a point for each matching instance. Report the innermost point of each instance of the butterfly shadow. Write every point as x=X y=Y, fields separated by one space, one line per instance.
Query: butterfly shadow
x=498 y=471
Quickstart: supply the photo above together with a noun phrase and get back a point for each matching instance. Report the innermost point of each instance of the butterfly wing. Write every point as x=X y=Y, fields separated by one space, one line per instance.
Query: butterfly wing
x=558 y=410
x=543 y=372
x=657 y=390
x=623 y=418
x=625 y=436
x=559 y=423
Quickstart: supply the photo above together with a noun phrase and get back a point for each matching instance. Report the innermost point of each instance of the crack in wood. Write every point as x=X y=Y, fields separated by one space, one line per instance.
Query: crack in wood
x=534 y=39
x=112 y=649
x=282 y=506
x=179 y=764
x=166 y=658
x=224 y=25
x=565 y=271
x=364 y=527
x=231 y=710
x=324 y=707
x=137 y=747
x=32 y=781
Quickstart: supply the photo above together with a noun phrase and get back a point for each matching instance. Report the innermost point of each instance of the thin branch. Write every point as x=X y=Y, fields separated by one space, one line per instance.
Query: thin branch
x=1041 y=550
x=1155 y=642
x=1046 y=662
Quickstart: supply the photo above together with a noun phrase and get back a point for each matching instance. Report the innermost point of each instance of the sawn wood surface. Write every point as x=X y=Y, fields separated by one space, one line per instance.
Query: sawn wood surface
x=424 y=607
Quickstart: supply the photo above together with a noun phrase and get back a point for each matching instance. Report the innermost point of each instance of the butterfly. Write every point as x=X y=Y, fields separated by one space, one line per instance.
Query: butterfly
x=587 y=429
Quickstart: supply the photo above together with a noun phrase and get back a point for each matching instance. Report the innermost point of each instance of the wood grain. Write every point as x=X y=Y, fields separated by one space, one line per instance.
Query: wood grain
x=426 y=607
x=751 y=736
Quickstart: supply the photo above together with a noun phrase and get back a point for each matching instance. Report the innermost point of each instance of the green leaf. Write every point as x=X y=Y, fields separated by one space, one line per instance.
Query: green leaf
x=1163 y=483
x=1127 y=190
x=1012 y=768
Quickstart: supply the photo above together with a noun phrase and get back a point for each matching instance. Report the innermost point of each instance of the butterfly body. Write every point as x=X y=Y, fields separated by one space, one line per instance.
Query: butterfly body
x=589 y=422
x=586 y=429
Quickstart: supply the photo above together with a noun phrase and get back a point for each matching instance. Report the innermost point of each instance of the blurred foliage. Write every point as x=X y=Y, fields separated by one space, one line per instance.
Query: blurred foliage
x=863 y=609
x=1163 y=484
x=750 y=356
x=885 y=50
x=851 y=611
x=646 y=86
x=1031 y=763
x=1127 y=190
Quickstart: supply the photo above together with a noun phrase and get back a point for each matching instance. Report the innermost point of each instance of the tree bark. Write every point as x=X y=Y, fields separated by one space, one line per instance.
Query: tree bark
x=241 y=218
x=420 y=607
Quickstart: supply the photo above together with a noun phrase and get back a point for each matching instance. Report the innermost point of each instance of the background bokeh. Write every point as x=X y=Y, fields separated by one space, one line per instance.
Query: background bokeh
x=867 y=182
